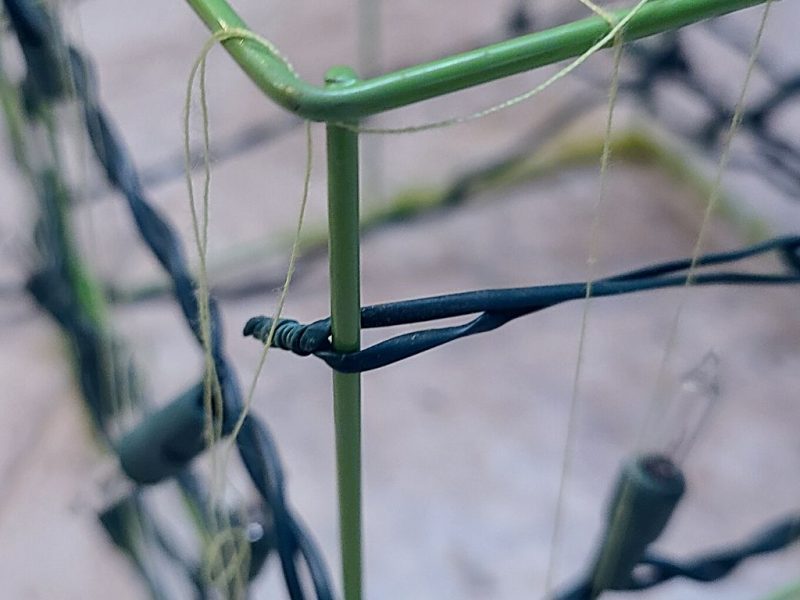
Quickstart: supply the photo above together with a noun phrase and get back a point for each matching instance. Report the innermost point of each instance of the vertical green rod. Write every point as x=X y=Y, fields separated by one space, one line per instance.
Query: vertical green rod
x=343 y=221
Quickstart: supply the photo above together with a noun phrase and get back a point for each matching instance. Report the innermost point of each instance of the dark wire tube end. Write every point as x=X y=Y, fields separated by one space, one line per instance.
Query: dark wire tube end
x=660 y=470
x=647 y=492
x=166 y=441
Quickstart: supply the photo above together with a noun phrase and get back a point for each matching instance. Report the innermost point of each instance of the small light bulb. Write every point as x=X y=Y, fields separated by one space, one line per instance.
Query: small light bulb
x=683 y=418
x=651 y=484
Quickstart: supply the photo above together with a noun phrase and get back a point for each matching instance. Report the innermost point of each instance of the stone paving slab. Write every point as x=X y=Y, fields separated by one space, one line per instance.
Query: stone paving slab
x=463 y=444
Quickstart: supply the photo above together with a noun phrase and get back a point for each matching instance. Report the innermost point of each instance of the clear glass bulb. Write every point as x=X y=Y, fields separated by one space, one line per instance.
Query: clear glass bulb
x=685 y=414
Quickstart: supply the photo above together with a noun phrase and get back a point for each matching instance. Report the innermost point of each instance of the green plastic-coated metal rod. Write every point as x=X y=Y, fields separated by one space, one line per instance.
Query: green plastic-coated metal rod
x=343 y=225
x=446 y=75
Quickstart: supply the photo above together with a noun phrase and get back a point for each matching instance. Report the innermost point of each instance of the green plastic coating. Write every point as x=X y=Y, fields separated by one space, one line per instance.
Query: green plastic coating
x=449 y=74
x=166 y=441
x=647 y=492
x=343 y=225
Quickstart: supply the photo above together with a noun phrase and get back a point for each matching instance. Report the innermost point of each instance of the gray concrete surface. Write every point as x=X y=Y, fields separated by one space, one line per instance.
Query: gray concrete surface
x=463 y=444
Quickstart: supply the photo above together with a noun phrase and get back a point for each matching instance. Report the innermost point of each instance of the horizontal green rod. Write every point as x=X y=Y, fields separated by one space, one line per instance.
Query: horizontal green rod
x=450 y=74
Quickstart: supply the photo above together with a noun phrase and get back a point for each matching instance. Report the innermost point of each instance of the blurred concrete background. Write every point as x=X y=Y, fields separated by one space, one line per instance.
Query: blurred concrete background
x=463 y=445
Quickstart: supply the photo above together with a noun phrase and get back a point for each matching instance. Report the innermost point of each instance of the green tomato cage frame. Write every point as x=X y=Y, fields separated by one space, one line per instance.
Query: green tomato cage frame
x=341 y=103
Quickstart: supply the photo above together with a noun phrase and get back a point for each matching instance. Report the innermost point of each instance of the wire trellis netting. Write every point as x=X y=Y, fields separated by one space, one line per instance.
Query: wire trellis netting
x=221 y=528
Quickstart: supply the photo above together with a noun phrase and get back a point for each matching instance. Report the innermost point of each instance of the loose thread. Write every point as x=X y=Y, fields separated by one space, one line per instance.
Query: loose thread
x=598 y=10
x=713 y=199
x=284 y=290
x=570 y=438
x=212 y=396
x=230 y=570
x=281 y=300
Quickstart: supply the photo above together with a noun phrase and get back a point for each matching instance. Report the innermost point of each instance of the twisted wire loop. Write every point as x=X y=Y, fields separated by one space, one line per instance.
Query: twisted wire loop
x=654 y=570
x=499 y=306
x=291 y=335
x=56 y=68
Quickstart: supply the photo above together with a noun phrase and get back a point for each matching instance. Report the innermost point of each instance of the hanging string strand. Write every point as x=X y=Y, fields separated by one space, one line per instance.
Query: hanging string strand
x=598 y=10
x=228 y=571
x=657 y=398
x=212 y=393
x=295 y=252
x=591 y=262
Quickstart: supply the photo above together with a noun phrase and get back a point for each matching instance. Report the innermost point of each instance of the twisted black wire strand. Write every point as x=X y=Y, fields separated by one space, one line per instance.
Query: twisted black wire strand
x=774 y=157
x=499 y=306
x=708 y=568
x=665 y=59
x=716 y=565
x=51 y=77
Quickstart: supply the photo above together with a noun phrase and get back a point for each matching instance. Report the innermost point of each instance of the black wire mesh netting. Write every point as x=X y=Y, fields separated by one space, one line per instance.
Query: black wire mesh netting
x=52 y=286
